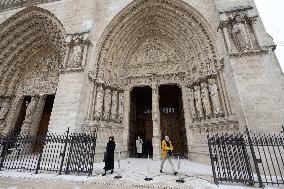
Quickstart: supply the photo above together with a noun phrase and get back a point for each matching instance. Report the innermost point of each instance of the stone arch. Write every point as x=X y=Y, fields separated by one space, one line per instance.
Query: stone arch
x=32 y=50
x=165 y=27
x=27 y=38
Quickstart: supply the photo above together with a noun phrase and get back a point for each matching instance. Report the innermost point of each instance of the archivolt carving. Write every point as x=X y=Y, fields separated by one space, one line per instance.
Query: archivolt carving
x=31 y=52
x=25 y=37
x=153 y=37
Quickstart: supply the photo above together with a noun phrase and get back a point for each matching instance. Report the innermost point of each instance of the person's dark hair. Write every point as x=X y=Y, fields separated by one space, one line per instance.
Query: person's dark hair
x=111 y=137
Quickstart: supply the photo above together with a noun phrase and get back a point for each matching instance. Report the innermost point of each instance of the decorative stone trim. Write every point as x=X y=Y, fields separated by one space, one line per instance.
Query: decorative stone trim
x=249 y=53
x=13 y=4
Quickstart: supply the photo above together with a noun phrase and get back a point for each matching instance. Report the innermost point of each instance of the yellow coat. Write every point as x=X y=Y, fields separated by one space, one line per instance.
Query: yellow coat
x=165 y=148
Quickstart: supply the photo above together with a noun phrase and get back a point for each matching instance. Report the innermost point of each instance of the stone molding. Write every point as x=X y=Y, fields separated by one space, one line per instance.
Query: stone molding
x=14 y=4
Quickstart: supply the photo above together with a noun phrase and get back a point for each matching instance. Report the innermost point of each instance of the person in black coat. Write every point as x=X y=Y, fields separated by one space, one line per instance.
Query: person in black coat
x=109 y=156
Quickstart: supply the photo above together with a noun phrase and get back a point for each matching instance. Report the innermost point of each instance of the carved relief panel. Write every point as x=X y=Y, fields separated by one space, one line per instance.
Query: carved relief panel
x=77 y=46
x=238 y=28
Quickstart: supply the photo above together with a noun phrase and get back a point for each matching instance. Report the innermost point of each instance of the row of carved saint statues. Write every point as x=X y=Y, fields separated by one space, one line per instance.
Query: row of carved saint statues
x=205 y=100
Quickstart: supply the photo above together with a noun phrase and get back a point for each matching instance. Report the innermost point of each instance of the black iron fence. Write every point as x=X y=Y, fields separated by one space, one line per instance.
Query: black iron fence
x=247 y=157
x=65 y=153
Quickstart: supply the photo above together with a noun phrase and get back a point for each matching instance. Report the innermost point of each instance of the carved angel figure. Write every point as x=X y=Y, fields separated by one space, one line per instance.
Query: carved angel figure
x=205 y=100
x=240 y=33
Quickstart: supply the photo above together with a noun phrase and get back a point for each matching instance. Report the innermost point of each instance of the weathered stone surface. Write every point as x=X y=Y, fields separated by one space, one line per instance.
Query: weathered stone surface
x=90 y=54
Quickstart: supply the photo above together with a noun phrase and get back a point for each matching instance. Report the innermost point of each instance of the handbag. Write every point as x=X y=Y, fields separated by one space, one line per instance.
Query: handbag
x=105 y=155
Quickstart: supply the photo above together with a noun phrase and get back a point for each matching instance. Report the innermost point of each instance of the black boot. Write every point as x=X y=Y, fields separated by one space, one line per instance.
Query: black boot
x=111 y=171
x=175 y=173
x=161 y=171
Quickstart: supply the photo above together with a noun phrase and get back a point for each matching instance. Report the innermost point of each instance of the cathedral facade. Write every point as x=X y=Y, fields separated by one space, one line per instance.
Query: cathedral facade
x=129 y=68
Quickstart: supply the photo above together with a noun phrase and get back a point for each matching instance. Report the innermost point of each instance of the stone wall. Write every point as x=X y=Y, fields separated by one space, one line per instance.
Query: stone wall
x=233 y=47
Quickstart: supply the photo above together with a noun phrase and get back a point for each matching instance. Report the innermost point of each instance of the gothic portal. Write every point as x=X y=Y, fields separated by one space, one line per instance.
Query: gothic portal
x=147 y=68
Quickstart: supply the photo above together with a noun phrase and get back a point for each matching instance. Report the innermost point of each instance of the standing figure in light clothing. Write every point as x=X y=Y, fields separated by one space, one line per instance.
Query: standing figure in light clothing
x=139 y=145
x=167 y=153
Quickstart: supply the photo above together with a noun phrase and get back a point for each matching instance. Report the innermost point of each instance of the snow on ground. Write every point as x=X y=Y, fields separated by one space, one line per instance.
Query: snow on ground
x=133 y=172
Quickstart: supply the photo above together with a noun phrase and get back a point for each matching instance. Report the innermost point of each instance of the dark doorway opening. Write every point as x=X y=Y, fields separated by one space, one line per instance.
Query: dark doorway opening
x=172 y=118
x=44 y=121
x=21 y=115
x=141 y=123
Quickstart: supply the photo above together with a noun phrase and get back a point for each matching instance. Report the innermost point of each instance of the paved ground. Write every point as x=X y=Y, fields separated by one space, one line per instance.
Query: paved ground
x=9 y=183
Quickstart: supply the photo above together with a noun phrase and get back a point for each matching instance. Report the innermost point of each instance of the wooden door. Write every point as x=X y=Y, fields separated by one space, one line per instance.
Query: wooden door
x=171 y=126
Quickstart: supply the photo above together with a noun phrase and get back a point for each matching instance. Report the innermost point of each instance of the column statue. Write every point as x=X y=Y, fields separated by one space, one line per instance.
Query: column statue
x=191 y=104
x=213 y=89
x=99 y=103
x=113 y=114
x=120 y=106
x=205 y=100
x=198 y=102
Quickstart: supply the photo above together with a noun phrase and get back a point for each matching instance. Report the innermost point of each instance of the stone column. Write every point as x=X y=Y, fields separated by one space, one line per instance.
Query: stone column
x=37 y=115
x=188 y=118
x=156 y=140
x=29 y=118
x=125 y=121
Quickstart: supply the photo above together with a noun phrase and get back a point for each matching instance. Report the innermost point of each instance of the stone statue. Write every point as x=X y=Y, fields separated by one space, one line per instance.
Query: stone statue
x=114 y=99
x=99 y=102
x=198 y=102
x=30 y=114
x=107 y=103
x=213 y=89
x=75 y=56
x=4 y=110
x=120 y=106
x=191 y=104
x=240 y=33
x=205 y=100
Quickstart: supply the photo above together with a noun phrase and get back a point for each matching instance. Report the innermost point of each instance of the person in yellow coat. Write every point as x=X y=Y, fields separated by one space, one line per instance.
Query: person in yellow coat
x=167 y=153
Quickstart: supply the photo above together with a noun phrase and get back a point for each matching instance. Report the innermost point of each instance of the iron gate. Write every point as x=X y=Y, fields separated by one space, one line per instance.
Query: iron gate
x=59 y=153
x=247 y=158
